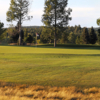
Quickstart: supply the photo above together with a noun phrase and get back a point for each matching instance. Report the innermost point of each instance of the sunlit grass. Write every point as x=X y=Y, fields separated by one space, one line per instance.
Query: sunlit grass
x=38 y=50
x=50 y=66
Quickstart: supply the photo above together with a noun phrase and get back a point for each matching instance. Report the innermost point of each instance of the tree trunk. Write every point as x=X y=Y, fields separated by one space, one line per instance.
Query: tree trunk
x=54 y=43
x=20 y=22
x=55 y=29
x=55 y=39
x=20 y=33
x=20 y=28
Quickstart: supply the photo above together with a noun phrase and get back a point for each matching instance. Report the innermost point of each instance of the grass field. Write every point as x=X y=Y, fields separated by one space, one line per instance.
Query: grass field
x=44 y=65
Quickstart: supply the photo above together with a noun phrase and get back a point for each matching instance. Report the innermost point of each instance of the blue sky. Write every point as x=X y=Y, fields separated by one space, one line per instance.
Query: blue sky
x=85 y=12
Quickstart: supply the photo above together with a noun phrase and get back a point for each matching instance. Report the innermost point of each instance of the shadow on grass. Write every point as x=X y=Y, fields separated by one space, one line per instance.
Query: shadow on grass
x=62 y=46
x=72 y=46
x=51 y=55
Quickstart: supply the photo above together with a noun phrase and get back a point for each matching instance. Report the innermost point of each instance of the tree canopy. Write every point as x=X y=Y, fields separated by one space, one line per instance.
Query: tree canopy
x=98 y=22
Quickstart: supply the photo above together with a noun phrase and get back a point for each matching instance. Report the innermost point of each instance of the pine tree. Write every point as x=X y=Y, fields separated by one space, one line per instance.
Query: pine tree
x=85 y=36
x=18 y=11
x=64 y=38
x=93 y=37
x=76 y=30
x=1 y=28
x=25 y=32
x=77 y=40
x=55 y=15
x=47 y=35
x=72 y=37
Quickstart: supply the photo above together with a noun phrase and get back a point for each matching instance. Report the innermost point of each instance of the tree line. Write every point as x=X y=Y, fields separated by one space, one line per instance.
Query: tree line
x=73 y=35
x=55 y=29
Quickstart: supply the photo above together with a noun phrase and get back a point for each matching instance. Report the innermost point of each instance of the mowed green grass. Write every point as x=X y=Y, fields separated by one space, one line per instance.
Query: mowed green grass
x=78 y=67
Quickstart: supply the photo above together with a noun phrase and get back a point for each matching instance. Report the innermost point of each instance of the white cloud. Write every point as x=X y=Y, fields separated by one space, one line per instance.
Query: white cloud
x=83 y=9
x=37 y=12
x=83 y=12
x=85 y=16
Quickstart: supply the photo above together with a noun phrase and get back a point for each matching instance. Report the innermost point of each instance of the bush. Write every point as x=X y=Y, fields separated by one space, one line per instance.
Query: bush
x=29 y=39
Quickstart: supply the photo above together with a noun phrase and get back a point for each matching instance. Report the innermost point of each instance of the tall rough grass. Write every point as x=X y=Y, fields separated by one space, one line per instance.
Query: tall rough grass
x=10 y=91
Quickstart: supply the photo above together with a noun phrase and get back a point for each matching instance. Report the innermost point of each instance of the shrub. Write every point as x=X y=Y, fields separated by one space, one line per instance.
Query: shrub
x=29 y=39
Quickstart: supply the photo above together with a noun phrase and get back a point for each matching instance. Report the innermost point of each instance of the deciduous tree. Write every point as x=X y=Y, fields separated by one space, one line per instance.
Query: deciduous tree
x=98 y=21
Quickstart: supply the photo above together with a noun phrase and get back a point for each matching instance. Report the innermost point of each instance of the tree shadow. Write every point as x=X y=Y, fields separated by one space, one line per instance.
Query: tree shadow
x=62 y=46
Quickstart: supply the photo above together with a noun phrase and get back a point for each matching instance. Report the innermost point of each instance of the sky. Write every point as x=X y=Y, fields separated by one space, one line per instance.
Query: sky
x=84 y=12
